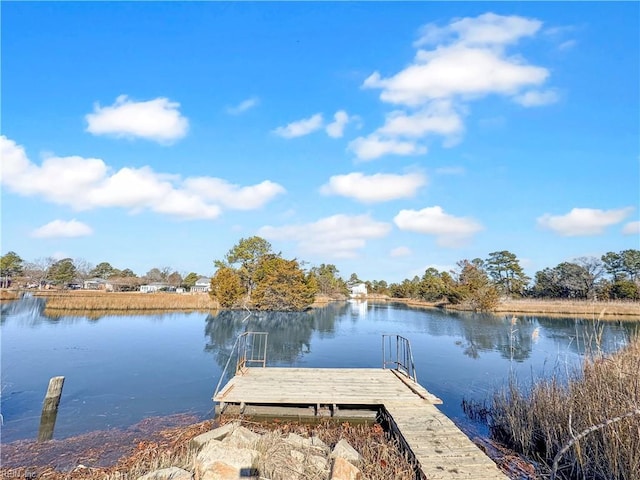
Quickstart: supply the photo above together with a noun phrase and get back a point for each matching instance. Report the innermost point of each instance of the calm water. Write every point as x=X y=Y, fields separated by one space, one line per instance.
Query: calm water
x=121 y=369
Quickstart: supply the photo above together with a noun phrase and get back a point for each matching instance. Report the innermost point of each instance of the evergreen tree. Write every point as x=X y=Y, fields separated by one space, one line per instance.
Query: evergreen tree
x=504 y=269
x=226 y=287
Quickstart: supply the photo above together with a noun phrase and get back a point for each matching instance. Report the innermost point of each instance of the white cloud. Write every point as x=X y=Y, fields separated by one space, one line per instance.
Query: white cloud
x=449 y=230
x=88 y=183
x=535 y=98
x=338 y=236
x=59 y=255
x=234 y=196
x=400 y=252
x=301 y=127
x=486 y=29
x=456 y=70
x=583 y=221
x=60 y=228
x=631 y=228
x=243 y=106
x=336 y=128
x=438 y=117
x=568 y=45
x=158 y=120
x=454 y=65
x=374 y=188
x=374 y=146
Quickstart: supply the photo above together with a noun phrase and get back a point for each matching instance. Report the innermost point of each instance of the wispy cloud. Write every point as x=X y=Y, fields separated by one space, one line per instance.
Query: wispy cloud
x=375 y=146
x=450 y=170
x=234 y=196
x=89 y=183
x=583 y=221
x=631 y=228
x=338 y=236
x=449 y=230
x=63 y=229
x=336 y=128
x=243 y=106
x=375 y=188
x=300 y=128
x=400 y=252
x=159 y=120
x=536 y=98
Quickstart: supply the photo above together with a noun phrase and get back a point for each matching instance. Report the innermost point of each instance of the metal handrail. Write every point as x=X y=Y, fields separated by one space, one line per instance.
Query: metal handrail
x=242 y=345
x=250 y=352
x=399 y=354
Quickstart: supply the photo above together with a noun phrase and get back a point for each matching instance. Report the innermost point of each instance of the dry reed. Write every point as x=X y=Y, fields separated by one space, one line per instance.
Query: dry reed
x=586 y=424
x=381 y=457
x=126 y=302
x=8 y=295
x=604 y=309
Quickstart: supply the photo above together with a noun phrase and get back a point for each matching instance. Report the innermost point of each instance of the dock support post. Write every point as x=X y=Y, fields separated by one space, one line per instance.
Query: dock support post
x=50 y=409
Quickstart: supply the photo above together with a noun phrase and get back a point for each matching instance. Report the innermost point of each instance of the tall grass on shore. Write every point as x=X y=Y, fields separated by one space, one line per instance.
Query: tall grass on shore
x=589 y=426
x=598 y=309
x=126 y=302
x=8 y=295
x=381 y=456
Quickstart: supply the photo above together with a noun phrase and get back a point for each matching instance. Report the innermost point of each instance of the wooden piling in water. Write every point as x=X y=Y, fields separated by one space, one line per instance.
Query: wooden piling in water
x=50 y=409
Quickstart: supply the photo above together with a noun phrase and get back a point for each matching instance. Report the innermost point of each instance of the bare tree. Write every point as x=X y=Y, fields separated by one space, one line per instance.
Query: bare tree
x=594 y=269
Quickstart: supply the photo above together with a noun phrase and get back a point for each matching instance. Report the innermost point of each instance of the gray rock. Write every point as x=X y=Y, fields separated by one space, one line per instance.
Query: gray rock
x=296 y=441
x=171 y=473
x=216 y=434
x=299 y=442
x=217 y=461
x=317 y=443
x=319 y=463
x=242 y=437
x=343 y=470
x=346 y=451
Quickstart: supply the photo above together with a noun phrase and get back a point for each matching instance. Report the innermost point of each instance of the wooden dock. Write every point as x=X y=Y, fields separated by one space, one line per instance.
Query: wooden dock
x=441 y=450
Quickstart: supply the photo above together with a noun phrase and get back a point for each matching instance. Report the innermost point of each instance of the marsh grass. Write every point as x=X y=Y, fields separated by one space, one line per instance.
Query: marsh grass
x=126 y=302
x=382 y=458
x=588 y=308
x=608 y=310
x=8 y=295
x=590 y=415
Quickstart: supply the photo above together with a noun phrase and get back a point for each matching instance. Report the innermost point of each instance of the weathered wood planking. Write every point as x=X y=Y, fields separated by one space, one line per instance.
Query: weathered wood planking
x=442 y=451
x=327 y=386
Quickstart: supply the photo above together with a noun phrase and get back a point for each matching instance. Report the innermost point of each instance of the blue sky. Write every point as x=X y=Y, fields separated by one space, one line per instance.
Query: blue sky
x=381 y=137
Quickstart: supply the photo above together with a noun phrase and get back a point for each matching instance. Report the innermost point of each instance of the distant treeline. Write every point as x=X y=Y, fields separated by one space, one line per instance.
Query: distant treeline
x=251 y=274
x=479 y=283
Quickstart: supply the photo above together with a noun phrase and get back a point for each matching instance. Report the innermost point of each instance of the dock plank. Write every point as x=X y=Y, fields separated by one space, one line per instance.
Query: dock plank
x=441 y=449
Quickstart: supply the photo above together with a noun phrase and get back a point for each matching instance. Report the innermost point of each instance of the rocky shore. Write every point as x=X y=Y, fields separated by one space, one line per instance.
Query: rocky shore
x=231 y=447
x=233 y=451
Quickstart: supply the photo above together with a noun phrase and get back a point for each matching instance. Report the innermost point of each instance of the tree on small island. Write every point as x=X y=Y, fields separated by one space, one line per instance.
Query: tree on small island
x=252 y=275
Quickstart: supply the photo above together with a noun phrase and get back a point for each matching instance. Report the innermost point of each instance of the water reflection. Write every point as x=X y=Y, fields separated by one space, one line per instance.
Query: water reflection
x=28 y=309
x=169 y=363
x=290 y=333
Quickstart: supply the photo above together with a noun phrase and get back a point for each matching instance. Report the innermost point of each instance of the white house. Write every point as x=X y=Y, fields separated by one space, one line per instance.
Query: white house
x=359 y=290
x=202 y=285
x=97 y=284
x=152 y=287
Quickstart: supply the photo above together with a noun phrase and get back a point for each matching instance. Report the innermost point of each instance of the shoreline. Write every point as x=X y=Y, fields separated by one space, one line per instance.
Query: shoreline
x=549 y=308
x=60 y=302
x=156 y=442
